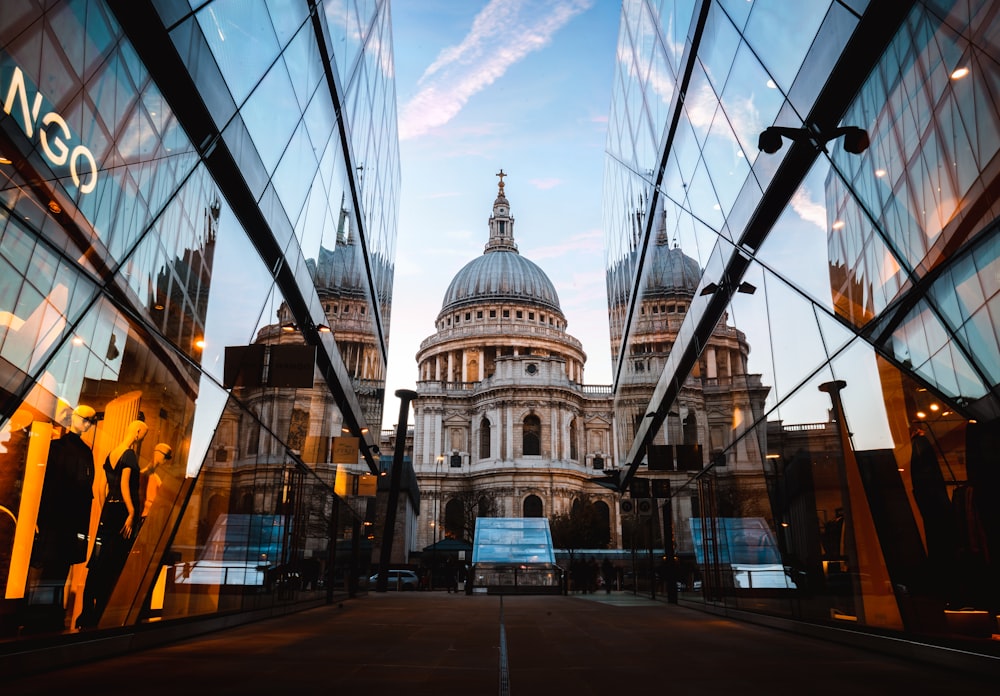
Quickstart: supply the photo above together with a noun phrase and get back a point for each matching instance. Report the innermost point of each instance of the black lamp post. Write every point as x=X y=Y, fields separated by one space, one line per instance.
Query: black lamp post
x=395 y=479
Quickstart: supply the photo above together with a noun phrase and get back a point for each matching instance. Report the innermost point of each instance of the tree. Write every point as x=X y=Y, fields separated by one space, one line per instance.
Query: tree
x=581 y=528
x=471 y=504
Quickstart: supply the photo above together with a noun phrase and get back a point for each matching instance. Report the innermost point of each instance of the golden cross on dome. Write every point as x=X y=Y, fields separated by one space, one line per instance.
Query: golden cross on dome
x=501 y=175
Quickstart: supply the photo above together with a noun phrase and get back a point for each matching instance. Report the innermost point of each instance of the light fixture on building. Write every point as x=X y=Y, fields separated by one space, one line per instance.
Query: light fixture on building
x=289 y=327
x=744 y=287
x=855 y=141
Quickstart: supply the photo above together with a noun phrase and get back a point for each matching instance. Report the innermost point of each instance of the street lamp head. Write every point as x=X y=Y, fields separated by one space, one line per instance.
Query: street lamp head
x=856 y=140
x=769 y=141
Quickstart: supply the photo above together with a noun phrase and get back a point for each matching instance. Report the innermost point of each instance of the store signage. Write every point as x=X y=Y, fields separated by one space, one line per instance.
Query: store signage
x=53 y=133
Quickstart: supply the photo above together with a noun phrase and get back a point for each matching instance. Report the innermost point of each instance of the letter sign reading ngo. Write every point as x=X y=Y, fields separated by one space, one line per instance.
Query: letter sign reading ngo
x=54 y=134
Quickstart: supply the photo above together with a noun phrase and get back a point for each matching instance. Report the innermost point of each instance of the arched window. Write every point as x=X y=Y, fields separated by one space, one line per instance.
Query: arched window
x=573 y=454
x=691 y=429
x=532 y=506
x=484 y=439
x=602 y=521
x=253 y=438
x=454 y=519
x=531 y=436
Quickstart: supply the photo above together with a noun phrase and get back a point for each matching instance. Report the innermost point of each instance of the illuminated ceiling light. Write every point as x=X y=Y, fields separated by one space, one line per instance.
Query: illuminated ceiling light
x=345 y=429
x=289 y=327
x=838 y=225
x=55 y=207
x=200 y=343
x=771 y=84
x=921 y=414
x=880 y=173
x=5 y=160
x=323 y=328
x=935 y=407
x=158 y=307
x=959 y=73
x=77 y=341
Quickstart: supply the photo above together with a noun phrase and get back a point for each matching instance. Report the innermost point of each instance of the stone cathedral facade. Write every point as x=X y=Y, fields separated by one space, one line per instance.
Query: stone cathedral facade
x=504 y=425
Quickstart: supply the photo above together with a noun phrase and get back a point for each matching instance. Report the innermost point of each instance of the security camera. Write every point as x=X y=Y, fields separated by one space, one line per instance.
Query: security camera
x=856 y=140
x=769 y=141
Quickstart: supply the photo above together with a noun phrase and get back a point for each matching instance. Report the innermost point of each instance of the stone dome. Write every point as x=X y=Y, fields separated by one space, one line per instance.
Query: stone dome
x=672 y=272
x=501 y=276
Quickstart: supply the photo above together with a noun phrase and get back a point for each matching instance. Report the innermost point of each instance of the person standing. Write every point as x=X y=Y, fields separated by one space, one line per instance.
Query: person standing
x=607 y=575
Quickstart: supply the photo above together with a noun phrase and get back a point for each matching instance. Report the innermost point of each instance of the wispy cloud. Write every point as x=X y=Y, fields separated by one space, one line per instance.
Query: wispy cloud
x=587 y=242
x=545 y=184
x=503 y=33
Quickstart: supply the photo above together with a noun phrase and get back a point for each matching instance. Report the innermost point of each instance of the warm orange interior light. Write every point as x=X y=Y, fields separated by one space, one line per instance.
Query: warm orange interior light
x=959 y=73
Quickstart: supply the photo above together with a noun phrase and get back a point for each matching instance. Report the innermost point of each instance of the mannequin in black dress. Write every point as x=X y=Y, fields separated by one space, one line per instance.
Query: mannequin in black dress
x=117 y=527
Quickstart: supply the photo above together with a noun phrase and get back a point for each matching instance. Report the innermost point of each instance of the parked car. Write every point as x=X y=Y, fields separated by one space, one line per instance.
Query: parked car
x=398 y=580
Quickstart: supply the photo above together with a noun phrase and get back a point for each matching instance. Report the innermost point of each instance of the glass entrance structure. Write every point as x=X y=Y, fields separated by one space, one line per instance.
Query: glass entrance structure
x=514 y=555
x=803 y=259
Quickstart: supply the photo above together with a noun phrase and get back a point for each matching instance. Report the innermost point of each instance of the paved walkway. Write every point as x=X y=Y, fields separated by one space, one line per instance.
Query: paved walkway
x=415 y=643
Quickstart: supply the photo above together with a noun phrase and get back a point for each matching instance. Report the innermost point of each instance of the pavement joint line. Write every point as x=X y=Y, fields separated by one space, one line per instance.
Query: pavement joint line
x=504 y=670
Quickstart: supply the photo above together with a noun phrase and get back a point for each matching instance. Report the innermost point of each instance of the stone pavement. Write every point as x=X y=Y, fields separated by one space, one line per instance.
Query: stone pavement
x=415 y=643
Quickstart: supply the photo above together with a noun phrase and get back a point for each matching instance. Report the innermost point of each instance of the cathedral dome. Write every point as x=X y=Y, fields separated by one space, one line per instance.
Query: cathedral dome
x=501 y=276
x=672 y=272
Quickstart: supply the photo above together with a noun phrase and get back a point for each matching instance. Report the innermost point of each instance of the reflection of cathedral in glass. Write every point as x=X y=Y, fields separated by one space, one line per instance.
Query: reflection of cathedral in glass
x=339 y=276
x=195 y=288
x=708 y=420
x=864 y=420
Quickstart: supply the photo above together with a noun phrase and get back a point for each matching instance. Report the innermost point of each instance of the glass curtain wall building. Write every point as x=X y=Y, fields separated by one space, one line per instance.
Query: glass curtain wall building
x=829 y=171
x=197 y=231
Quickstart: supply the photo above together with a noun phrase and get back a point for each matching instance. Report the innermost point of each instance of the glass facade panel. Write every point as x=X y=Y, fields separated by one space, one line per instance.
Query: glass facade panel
x=167 y=365
x=826 y=392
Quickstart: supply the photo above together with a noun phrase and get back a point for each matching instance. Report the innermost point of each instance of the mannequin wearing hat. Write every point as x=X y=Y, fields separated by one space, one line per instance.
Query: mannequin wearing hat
x=161 y=453
x=64 y=508
x=117 y=526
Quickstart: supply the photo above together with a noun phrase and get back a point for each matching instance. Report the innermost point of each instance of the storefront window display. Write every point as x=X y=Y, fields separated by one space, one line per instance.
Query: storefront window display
x=139 y=481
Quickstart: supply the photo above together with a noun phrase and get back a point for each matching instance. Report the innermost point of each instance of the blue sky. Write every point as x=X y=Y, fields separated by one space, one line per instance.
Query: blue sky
x=522 y=85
